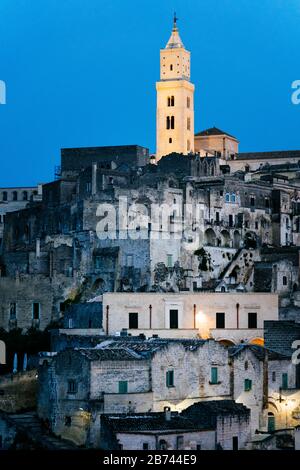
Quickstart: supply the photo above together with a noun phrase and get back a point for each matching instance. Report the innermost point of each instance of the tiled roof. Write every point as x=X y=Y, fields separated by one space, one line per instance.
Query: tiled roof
x=208 y=411
x=141 y=422
x=258 y=351
x=214 y=131
x=108 y=354
x=268 y=155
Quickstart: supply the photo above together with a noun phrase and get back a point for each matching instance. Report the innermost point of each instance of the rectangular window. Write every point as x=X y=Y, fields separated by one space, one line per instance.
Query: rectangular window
x=284 y=381
x=230 y=220
x=133 y=320
x=170 y=378
x=273 y=376
x=247 y=385
x=173 y=319
x=72 y=386
x=36 y=311
x=252 y=201
x=252 y=320
x=129 y=261
x=188 y=124
x=13 y=311
x=220 y=320
x=170 y=261
x=214 y=375
x=123 y=386
x=217 y=217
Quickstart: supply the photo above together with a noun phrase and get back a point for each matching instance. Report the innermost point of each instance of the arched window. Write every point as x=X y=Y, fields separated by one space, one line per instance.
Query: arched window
x=168 y=122
x=172 y=122
x=15 y=196
x=188 y=123
x=188 y=102
x=227 y=197
x=172 y=101
x=233 y=198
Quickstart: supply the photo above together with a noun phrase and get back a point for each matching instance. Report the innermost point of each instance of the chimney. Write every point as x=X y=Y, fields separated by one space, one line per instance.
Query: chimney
x=38 y=248
x=94 y=178
x=167 y=411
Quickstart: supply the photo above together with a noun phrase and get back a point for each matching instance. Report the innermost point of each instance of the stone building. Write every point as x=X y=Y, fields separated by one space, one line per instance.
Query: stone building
x=134 y=375
x=211 y=425
x=12 y=199
x=227 y=317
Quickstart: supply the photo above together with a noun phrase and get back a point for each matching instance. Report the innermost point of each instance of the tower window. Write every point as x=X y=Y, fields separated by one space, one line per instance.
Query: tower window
x=172 y=122
x=188 y=144
x=172 y=100
x=171 y=67
x=188 y=123
x=168 y=122
x=188 y=102
x=170 y=140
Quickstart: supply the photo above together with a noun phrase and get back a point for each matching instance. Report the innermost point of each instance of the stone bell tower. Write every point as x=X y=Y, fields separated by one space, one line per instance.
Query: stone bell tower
x=175 y=99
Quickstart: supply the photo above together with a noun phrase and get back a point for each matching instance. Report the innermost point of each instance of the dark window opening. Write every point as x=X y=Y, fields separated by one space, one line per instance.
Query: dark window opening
x=173 y=319
x=36 y=310
x=133 y=320
x=72 y=386
x=220 y=320
x=252 y=320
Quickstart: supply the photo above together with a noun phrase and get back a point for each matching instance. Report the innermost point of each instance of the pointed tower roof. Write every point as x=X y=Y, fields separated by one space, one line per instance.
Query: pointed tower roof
x=175 y=40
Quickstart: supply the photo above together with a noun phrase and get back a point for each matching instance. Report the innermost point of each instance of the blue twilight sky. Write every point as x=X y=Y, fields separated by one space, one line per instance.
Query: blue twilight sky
x=83 y=72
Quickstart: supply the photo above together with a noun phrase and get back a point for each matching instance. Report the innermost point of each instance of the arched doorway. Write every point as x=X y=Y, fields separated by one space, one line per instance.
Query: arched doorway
x=257 y=341
x=210 y=237
x=225 y=237
x=226 y=342
x=236 y=239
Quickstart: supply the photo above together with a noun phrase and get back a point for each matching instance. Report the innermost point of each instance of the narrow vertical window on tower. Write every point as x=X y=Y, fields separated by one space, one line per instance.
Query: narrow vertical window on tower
x=172 y=101
x=168 y=125
x=172 y=122
x=188 y=123
x=188 y=102
x=171 y=67
x=188 y=146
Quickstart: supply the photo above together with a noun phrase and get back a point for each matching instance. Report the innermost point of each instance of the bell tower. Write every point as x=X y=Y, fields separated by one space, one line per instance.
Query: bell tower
x=175 y=99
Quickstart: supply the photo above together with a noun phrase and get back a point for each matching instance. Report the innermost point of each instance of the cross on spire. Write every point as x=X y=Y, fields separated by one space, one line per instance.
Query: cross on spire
x=175 y=21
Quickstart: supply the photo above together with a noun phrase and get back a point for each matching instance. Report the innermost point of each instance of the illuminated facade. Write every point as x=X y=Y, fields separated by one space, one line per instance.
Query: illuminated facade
x=175 y=99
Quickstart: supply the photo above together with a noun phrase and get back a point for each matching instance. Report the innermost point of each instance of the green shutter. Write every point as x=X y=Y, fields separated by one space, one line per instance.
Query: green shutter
x=247 y=385
x=170 y=378
x=284 y=381
x=214 y=375
x=123 y=386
